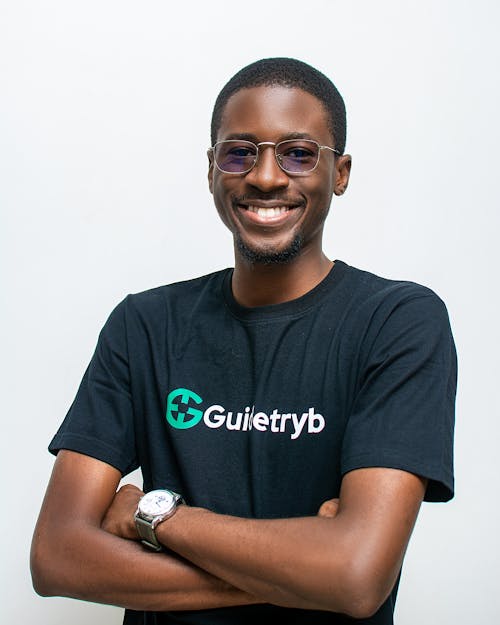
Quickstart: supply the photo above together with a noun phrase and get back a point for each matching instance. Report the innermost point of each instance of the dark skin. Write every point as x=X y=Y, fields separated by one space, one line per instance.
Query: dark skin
x=344 y=559
x=73 y=556
x=294 y=112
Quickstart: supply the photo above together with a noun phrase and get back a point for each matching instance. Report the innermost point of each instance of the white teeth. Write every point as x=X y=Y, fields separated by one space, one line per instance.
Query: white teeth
x=268 y=212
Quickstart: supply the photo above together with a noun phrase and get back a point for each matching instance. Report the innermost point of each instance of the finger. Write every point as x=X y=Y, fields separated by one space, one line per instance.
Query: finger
x=329 y=508
x=131 y=488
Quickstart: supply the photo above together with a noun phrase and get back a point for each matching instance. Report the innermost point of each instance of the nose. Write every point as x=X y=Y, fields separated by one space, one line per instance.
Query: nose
x=266 y=174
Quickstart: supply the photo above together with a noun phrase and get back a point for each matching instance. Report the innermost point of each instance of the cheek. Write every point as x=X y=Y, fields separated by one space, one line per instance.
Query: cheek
x=224 y=189
x=222 y=199
x=320 y=194
x=219 y=183
x=326 y=188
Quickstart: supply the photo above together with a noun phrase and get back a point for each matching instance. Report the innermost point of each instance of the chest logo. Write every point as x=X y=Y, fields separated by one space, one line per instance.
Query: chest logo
x=182 y=413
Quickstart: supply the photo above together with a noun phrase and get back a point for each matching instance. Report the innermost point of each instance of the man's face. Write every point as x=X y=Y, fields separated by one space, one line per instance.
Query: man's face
x=273 y=215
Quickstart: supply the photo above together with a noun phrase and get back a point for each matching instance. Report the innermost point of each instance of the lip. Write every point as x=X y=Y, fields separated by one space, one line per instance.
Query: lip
x=267 y=212
x=268 y=203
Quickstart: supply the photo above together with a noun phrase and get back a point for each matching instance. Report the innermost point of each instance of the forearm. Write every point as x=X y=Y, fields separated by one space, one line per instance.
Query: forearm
x=300 y=563
x=88 y=563
x=85 y=545
x=348 y=563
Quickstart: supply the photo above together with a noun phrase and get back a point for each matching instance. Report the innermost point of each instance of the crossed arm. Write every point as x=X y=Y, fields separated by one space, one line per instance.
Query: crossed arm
x=345 y=559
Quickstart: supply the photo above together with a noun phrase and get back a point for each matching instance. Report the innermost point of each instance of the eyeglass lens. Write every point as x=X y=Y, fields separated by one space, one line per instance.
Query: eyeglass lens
x=294 y=156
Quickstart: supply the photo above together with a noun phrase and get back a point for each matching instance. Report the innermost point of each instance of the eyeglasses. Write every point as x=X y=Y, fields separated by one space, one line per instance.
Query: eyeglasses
x=294 y=156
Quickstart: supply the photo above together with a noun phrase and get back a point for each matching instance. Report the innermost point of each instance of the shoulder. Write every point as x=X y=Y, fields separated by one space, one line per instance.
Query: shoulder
x=376 y=294
x=391 y=312
x=184 y=293
x=153 y=306
x=191 y=288
x=381 y=286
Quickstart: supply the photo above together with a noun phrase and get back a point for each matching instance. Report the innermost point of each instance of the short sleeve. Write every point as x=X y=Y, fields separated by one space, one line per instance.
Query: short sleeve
x=100 y=421
x=403 y=414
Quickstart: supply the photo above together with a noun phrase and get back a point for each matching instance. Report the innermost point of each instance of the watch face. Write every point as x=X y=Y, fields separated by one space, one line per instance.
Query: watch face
x=157 y=502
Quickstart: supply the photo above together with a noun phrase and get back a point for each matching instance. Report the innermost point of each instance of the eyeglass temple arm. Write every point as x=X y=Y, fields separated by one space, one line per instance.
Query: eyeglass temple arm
x=327 y=147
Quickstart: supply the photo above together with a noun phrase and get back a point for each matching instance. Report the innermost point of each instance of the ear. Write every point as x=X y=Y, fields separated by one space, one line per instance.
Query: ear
x=210 y=171
x=343 y=171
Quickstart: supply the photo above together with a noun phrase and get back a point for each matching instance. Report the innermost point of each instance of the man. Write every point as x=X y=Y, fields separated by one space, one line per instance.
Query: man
x=289 y=415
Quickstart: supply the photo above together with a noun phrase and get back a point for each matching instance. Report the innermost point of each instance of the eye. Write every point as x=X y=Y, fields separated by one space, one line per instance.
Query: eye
x=235 y=156
x=298 y=153
x=298 y=156
x=240 y=151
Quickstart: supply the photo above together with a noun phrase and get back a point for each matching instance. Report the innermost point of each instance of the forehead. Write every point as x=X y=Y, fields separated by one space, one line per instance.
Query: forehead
x=271 y=113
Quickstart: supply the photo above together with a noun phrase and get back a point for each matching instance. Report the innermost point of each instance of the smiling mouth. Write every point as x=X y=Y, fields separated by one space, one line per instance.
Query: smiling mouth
x=269 y=210
x=273 y=211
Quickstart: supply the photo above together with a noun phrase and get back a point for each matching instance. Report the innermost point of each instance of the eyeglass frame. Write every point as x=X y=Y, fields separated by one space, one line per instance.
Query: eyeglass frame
x=269 y=143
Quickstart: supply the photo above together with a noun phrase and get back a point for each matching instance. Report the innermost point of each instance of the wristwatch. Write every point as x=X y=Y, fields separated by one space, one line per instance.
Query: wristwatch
x=153 y=508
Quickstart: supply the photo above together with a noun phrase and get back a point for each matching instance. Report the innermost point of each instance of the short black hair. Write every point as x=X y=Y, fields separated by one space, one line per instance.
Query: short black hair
x=286 y=72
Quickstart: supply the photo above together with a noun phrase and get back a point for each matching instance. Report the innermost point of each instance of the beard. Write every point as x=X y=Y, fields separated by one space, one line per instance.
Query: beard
x=270 y=257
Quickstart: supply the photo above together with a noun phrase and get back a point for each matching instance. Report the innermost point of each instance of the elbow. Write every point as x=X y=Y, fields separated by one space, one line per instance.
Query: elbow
x=43 y=563
x=363 y=607
x=365 y=591
x=40 y=586
x=39 y=574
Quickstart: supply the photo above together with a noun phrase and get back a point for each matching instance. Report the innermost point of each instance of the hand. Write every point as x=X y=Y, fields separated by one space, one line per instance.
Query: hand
x=119 y=519
x=329 y=508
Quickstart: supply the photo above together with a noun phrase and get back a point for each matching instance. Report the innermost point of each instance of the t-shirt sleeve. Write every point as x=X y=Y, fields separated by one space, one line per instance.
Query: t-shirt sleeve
x=100 y=420
x=403 y=414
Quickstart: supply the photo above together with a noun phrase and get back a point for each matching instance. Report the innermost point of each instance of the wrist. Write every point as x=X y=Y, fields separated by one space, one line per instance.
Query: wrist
x=153 y=509
x=180 y=529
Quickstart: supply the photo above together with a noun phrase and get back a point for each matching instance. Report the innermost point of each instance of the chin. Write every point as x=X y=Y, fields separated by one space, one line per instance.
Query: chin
x=269 y=256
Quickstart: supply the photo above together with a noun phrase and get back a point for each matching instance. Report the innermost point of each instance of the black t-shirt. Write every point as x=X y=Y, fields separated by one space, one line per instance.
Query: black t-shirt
x=259 y=412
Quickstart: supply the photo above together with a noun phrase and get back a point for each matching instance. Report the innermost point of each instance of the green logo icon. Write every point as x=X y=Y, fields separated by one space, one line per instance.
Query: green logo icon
x=178 y=416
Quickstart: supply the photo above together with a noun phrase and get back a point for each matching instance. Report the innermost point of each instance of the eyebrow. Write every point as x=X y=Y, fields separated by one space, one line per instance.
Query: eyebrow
x=245 y=136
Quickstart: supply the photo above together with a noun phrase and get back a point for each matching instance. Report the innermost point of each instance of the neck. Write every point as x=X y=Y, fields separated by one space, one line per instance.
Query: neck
x=260 y=284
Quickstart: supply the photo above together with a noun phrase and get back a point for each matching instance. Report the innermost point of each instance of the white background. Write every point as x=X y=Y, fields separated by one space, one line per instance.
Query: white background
x=104 y=123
